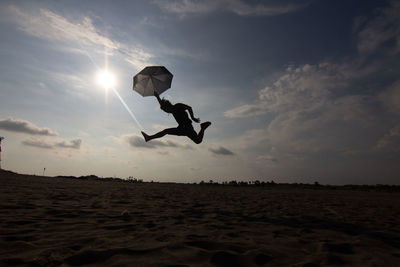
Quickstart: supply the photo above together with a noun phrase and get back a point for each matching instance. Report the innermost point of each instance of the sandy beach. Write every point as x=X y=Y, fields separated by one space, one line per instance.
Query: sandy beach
x=48 y=221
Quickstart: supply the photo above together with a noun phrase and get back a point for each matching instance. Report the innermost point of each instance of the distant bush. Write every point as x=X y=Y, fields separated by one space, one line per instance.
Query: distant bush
x=134 y=180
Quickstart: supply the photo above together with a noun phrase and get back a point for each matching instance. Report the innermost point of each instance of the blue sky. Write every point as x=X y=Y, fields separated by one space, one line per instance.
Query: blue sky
x=297 y=91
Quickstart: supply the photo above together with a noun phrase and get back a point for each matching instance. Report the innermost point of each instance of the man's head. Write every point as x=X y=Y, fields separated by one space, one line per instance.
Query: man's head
x=166 y=105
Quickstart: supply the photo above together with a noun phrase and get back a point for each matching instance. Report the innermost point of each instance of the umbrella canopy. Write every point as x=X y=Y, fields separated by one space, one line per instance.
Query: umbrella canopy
x=152 y=78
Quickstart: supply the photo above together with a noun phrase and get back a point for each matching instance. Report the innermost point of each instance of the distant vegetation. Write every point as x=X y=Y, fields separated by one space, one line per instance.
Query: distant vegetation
x=258 y=183
x=315 y=185
x=95 y=177
x=234 y=183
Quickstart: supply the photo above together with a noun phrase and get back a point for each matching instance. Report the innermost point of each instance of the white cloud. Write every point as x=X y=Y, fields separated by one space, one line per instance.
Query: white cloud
x=83 y=133
x=390 y=142
x=74 y=81
x=329 y=108
x=22 y=126
x=137 y=56
x=391 y=98
x=238 y=7
x=52 y=26
x=307 y=114
x=307 y=87
x=247 y=110
x=267 y=158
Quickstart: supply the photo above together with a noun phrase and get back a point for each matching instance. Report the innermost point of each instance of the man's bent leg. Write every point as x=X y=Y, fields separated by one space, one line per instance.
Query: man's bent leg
x=198 y=138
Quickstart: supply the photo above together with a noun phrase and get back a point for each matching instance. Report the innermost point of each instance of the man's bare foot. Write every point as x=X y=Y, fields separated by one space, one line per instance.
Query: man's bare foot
x=146 y=137
x=205 y=125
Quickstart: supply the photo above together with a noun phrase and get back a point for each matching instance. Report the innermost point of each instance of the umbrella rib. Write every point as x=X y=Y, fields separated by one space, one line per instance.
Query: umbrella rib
x=155 y=78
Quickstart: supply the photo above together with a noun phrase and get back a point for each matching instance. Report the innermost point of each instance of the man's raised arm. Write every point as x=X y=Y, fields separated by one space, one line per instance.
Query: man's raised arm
x=157 y=96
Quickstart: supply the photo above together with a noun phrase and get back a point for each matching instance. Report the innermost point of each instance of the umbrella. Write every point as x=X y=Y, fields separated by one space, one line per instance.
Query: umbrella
x=152 y=78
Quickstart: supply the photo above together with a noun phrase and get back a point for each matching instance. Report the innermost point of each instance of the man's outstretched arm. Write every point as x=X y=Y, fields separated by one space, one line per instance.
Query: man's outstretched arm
x=190 y=110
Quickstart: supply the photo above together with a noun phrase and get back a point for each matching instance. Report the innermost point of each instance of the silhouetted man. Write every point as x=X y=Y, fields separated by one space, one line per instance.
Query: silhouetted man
x=185 y=127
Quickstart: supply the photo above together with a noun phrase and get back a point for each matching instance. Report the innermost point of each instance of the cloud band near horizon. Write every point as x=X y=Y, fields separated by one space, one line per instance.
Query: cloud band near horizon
x=45 y=144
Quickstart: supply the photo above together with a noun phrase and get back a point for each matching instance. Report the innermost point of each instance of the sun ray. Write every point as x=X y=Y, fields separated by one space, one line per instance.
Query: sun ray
x=107 y=80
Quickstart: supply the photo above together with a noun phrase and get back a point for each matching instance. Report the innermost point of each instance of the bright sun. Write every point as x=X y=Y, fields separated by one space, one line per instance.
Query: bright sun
x=105 y=79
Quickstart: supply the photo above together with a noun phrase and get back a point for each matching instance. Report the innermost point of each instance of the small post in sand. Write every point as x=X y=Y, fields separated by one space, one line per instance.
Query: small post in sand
x=1 y=138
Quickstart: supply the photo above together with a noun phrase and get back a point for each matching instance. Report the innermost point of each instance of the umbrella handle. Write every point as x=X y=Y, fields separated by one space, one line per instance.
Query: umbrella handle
x=157 y=96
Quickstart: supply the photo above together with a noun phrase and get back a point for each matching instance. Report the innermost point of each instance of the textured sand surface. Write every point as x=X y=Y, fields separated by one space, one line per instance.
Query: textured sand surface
x=59 y=221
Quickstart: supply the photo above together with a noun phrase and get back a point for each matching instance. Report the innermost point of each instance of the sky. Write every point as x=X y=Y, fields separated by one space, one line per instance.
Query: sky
x=297 y=91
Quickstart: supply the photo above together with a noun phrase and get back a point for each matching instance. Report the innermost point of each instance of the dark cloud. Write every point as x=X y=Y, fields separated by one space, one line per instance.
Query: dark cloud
x=382 y=32
x=267 y=158
x=138 y=141
x=75 y=144
x=37 y=143
x=45 y=144
x=221 y=151
x=238 y=7
x=22 y=126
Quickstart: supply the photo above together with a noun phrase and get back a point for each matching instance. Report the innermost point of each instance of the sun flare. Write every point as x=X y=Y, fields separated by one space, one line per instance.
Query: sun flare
x=105 y=79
